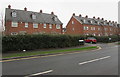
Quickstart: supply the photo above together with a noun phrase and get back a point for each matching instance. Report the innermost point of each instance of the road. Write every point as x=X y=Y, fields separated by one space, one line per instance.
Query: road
x=95 y=62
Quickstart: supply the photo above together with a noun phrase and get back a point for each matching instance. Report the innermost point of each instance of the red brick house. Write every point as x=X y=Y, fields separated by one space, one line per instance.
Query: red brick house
x=79 y=25
x=29 y=22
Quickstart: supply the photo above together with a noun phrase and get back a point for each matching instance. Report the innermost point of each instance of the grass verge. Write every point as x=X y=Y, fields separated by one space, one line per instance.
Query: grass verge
x=48 y=52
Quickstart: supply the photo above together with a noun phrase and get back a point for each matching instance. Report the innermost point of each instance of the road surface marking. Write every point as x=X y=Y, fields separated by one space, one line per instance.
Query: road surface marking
x=47 y=55
x=94 y=60
x=39 y=73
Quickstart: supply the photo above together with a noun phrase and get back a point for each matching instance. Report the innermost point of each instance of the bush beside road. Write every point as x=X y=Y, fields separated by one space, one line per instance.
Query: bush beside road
x=44 y=41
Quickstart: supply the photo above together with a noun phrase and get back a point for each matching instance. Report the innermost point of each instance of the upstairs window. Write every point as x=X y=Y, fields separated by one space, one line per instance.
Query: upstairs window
x=92 y=28
x=44 y=26
x=14 y=24
x=86 y=28
x=57 y=26
x=35 y=25
x=72 y=22
x=50 y=26
x=26 y=25
x=110 y=29
x=98 y=28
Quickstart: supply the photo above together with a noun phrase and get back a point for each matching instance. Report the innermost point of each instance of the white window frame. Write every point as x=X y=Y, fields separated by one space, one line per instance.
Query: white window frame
x=35 y=25
x=73 y=29
x=72 y=22
x=26 y=25
x=14 y=33
x=14 y=14
x=57 y=26
x=50 y=26
x=86 y=28
x=99 y=34
x=34 y=16
x=99 y=29
x=14 y=24
x=105 y=29
x=44 y=25
x=110 y=29
x=93 y=28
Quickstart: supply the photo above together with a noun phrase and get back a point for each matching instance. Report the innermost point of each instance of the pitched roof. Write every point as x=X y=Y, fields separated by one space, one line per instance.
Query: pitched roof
x=25 y=16
x=94 y=21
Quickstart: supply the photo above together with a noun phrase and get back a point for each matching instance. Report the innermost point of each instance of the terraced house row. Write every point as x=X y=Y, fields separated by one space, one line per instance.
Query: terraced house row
x=29 y=22
x=79 y=25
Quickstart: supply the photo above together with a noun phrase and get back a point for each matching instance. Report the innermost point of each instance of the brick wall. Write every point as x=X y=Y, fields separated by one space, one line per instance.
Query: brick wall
x=30 y=30
x=79 y=29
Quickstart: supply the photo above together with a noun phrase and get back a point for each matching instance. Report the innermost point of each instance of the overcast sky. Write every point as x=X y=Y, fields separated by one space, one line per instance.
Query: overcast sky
x=107 y=9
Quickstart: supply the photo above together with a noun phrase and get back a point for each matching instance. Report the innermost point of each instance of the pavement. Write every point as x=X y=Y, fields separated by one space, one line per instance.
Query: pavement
x=94 y=62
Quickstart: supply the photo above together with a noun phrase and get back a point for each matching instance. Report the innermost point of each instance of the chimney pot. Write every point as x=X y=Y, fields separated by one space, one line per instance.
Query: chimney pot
x=9 y=6
x=86 y=16
x=73 y=14
x=106 y=20
x=52 y=13
x=80 y=15
x=94 y=17
x=40 y=11
x=112 y=21
x=98 y=17
x=25 y=9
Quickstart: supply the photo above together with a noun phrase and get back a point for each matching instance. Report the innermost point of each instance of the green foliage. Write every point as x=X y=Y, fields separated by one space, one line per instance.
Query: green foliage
x=40 y=41
x=44 y=41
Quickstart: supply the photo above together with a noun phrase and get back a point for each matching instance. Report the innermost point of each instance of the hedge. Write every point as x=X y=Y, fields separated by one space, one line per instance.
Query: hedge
x=31 y=42
x=44 y=41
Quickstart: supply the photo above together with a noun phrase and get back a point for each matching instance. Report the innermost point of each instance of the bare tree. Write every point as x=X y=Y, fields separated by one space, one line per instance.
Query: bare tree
x=2 y=21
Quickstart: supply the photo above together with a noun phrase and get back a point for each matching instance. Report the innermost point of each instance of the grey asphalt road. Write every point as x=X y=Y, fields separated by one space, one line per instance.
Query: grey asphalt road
x=97 y=62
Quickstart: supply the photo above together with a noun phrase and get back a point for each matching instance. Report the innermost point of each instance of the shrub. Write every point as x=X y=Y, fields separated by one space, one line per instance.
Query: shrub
x=40 y=41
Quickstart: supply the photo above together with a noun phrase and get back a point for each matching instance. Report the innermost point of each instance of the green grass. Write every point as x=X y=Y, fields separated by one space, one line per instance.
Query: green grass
x=48 y=52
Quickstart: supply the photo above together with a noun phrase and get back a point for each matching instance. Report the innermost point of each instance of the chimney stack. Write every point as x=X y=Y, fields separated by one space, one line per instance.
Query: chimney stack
x=94 y=17
x=105 y=20
x=73 y=14
x=52 y=13
x=80 y=15
x=25 y=9
x=86 y=16
x=102 y=18
x=98 y=18
x=9 y=6
x=40 y=11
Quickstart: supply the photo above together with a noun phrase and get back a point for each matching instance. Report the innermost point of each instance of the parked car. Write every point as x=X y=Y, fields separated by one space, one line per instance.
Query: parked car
x=81 y=42
x=91 y=40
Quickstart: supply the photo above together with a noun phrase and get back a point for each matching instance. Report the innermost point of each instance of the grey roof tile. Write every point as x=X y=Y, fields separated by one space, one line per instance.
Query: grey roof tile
x=25 y=16
x=94 y=21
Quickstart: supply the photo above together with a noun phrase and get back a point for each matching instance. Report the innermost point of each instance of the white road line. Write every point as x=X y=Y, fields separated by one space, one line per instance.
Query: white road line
x=94 y=60
x=39 y=73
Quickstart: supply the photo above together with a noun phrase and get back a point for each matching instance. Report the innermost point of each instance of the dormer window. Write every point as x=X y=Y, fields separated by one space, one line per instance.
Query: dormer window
x=14 y=14
x=84 y=20
x=91 y=22
x=98 y=23
x=55 y=18
x=33 y=16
